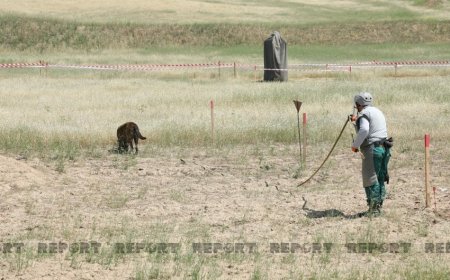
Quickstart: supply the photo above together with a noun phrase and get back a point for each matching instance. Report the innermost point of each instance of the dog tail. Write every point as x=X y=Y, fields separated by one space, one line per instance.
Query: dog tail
x=138 y=133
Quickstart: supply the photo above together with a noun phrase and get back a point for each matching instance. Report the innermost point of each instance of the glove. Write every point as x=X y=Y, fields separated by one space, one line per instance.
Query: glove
x=355 y=150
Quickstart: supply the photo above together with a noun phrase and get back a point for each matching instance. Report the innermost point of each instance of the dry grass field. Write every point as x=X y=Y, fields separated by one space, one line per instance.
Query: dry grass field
x=242 y=195
x=237 y=11
x=197 y=205
x=61 y=185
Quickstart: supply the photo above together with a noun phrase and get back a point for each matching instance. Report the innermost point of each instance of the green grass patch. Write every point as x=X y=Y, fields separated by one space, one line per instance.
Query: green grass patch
x=40 y=34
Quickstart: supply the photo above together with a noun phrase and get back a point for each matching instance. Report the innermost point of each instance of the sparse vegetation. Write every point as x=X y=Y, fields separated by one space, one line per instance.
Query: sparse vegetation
x=59 y=183
x=43 y=35
x=177 y=113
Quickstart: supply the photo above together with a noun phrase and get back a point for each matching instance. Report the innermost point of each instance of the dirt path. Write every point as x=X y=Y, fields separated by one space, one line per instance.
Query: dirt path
x=242 y=196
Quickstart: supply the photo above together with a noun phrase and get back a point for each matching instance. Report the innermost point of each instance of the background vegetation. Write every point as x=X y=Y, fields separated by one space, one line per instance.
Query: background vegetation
x=37 y=34
x=66 y=116
x=214 y=26
x=74 y=110
x=68 y=119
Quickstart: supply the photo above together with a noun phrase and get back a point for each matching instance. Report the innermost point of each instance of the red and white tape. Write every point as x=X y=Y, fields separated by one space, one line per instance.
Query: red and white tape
x=144 y=67
x=439 y=62
x=118 y=67
x=23 y=65
x=219 y=65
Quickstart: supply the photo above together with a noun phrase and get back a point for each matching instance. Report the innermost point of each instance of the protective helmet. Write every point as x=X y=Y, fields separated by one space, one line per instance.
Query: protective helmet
x=363 y=99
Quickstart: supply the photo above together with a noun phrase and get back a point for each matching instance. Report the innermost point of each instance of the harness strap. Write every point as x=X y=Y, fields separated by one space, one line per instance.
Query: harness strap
x=359 y=119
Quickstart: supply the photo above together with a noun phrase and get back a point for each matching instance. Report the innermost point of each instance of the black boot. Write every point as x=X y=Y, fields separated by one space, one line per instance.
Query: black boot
x=374 y=211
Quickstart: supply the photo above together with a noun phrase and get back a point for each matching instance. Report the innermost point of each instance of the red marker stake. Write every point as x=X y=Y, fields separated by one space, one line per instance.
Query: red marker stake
x=427 y=172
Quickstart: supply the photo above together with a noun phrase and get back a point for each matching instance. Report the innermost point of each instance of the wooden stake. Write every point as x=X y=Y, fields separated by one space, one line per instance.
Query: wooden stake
x=219 y=70
x=434 y=198
x=211 y=104
x=298 y=105
x=304 y=138
x=427 y=172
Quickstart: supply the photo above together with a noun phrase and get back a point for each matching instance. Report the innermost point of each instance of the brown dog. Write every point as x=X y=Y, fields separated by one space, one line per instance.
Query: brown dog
x=126 y=133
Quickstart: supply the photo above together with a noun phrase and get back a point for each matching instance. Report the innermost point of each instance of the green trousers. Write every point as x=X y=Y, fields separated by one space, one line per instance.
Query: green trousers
x=376 y=193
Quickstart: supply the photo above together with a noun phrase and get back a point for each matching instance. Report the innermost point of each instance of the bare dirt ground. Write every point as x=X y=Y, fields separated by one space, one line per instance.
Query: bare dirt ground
x=228 y=196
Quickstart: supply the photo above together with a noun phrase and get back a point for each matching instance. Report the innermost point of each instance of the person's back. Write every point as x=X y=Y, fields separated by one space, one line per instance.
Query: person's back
x=377 y=125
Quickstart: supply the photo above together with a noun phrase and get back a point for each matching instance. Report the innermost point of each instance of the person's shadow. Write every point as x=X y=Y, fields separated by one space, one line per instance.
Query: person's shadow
x=329 y=213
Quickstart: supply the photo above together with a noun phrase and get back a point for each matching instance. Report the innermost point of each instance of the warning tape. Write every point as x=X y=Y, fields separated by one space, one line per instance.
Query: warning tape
x=219 y=65
x=340 y=69
x=144 y=67
x=23 y=65
x=411 y=62
x=118 y=67
x=136 y=67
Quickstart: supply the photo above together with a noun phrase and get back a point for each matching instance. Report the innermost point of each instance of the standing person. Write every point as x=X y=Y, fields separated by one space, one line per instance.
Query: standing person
x=370 y=125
